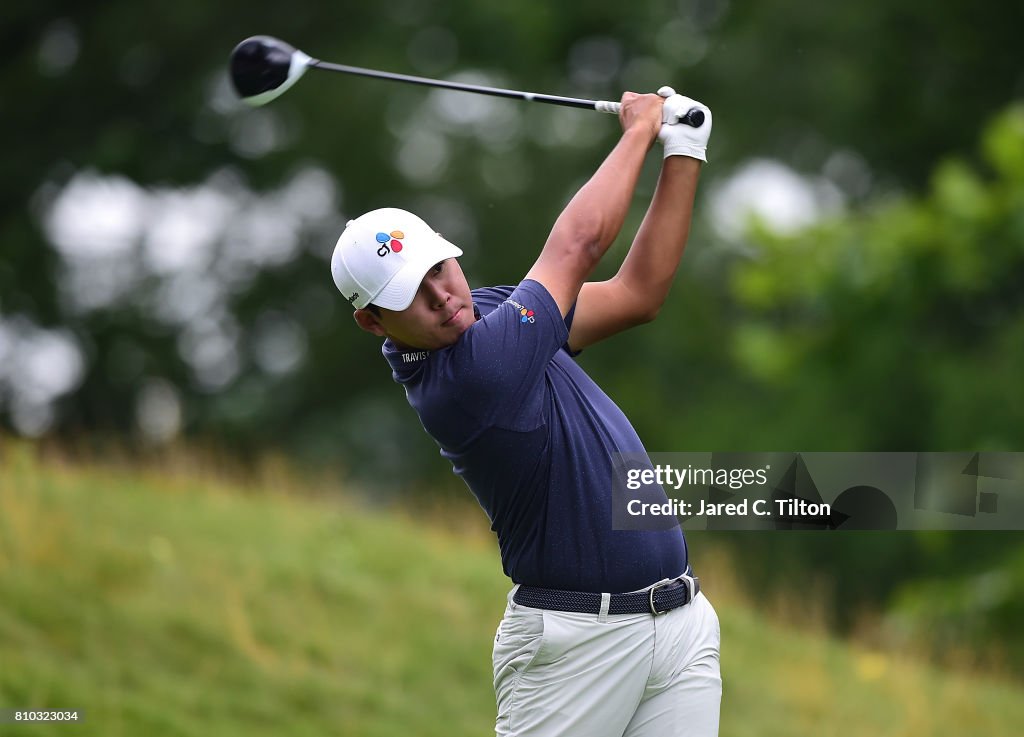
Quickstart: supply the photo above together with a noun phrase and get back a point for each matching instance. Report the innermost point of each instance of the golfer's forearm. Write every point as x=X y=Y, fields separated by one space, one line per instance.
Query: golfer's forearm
x=650 y=266
x=594 y=216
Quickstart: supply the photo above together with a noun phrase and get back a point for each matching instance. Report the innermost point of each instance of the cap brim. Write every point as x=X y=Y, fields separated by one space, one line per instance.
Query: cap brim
x=401 y=290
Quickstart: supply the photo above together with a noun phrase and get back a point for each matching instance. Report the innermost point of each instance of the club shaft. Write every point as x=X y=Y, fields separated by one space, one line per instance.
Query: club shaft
x=495 y=91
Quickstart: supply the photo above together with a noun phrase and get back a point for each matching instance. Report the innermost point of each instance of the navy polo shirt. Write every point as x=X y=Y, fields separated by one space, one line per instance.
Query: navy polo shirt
x=533 y=436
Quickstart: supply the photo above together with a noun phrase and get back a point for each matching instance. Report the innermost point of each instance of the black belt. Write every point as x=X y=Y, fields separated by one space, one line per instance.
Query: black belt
x=662 y=597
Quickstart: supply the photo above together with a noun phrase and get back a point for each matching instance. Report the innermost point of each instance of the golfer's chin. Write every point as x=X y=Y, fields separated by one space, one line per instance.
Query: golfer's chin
x=453 y=328
x=451 y=337
x=434 y=342
x=440 y=335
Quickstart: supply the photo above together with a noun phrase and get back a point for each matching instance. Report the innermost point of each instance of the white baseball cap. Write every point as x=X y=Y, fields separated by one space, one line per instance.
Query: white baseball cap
x=383 y=255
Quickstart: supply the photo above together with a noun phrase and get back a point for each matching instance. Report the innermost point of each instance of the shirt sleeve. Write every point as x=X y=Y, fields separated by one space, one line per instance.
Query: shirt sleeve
x=500 y=361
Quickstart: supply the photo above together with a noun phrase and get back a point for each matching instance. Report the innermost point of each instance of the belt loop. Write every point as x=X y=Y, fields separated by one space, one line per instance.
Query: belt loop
x=512 y=597
x=606 y=601
x=692 y=586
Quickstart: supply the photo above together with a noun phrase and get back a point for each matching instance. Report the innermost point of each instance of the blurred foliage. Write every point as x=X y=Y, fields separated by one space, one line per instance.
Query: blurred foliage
x=898 y=328
x=980 y=612
x=902 y=327
x=895 y=325
x=101 y=88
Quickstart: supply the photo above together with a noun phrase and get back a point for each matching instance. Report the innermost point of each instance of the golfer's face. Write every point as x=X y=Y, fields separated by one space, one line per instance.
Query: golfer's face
x=441 y=311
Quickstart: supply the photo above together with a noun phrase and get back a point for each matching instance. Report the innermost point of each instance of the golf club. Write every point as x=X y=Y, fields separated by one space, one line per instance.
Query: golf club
x=263 y=67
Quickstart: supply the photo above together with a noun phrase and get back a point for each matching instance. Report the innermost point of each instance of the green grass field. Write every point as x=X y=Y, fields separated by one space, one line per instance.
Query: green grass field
x=166 y=602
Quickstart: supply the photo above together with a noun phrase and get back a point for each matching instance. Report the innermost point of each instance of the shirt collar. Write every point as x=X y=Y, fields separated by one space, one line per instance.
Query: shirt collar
x=404 y=362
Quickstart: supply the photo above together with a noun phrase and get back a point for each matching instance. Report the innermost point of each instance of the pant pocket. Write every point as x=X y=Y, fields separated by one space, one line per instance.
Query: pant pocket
x=516 y=644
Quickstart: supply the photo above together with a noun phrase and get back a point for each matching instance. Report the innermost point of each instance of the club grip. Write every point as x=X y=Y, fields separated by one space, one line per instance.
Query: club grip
x=694 y=117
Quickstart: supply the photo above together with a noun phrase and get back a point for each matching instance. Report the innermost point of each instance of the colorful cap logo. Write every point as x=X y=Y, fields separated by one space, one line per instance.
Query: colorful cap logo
x=390 y=242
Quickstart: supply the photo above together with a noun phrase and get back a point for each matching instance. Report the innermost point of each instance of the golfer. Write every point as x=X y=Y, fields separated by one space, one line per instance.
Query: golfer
x=606 y=632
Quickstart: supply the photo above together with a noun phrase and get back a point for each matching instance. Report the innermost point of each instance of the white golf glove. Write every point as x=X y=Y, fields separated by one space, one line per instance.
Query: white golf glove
x=679 y=139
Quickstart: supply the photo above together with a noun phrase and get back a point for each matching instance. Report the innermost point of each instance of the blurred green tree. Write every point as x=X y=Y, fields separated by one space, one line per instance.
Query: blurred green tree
x=106 y=95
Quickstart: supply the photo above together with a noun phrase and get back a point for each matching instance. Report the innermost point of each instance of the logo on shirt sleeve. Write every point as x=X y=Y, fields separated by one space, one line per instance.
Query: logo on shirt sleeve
x=525 y=313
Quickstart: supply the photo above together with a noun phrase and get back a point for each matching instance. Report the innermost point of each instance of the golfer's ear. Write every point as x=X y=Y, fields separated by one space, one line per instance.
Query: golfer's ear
x=369 y=322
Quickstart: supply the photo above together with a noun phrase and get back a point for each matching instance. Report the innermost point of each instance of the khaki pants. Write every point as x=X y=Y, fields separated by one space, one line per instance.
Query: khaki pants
x=620 y=675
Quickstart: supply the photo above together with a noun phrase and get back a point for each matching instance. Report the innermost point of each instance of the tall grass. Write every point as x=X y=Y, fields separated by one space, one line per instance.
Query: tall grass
x=166 y=600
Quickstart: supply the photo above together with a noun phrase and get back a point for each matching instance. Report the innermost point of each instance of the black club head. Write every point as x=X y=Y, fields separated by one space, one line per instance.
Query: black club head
x=263 y=67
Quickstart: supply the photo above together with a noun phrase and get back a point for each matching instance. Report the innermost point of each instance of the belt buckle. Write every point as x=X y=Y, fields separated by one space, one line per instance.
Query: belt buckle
x=650 y=595
x=692 y=587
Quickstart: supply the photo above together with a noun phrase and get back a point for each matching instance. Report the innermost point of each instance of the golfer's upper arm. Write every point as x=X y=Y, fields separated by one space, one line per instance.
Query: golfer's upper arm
x=602 y=310
x=568 y=257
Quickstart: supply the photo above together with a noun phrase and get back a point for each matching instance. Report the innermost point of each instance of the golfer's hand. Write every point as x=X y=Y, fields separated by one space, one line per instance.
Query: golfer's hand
x=680 y=139
x=643 y=112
